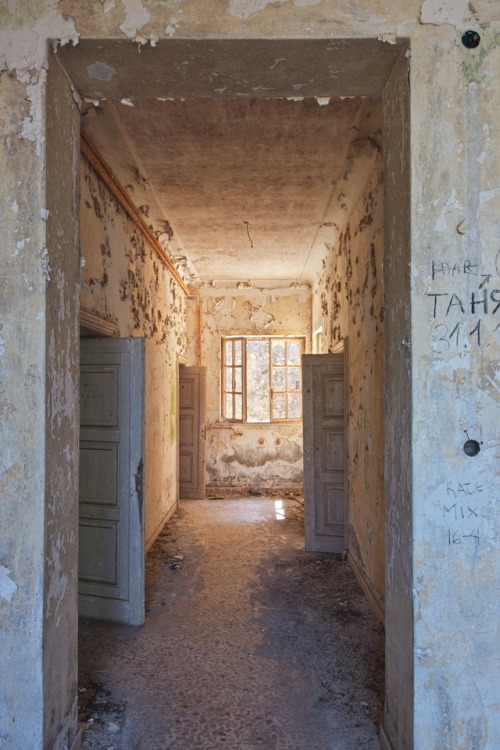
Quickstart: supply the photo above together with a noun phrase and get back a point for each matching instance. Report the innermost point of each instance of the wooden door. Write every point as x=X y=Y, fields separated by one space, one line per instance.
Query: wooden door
x=111 y=544
x=192 y=432
x=324 y=405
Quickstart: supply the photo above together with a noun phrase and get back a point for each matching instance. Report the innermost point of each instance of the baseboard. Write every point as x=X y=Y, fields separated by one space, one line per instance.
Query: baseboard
x=385 y=742
x=168 y=515
x=373 y=600
x=224 y=490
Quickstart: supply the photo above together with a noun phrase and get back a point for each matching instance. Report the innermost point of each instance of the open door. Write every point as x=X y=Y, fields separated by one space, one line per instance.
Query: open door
x=111 y=544
x=324 y=452
x=192 y=432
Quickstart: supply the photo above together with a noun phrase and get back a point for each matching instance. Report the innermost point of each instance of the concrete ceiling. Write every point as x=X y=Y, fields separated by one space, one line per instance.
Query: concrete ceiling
x=244 y=181
x=244 y=184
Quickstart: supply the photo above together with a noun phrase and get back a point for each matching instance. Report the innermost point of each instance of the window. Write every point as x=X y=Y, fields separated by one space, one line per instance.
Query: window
x=261 y=379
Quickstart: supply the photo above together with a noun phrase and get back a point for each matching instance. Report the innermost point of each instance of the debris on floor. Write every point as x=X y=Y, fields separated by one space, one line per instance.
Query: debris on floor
x=99 y=716
x=253 y=645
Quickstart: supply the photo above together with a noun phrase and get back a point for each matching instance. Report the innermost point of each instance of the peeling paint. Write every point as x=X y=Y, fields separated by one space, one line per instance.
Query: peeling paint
x=457 y=13
x=7 y=585
x=136 y=16
x=172 y=27
x=390 y=37
x=348 y=302
x=123 y=281
x=452 y=629
x=451 y=204
x=245 y=8
x=23 y=49
x=239 y=457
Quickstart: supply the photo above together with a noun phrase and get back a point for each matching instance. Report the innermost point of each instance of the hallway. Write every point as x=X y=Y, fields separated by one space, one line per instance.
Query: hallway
x=249 y=643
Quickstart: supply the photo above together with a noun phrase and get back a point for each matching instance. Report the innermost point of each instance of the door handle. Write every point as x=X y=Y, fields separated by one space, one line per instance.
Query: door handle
x=139 y=484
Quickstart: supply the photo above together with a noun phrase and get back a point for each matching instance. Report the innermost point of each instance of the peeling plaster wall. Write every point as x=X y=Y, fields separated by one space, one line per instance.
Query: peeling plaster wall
x=399 y=704
x=62 y=272
x=348 y=302
x=22 y=426
x=448 y=701
x=456 y=386
x=125 y=282
x=244 y=455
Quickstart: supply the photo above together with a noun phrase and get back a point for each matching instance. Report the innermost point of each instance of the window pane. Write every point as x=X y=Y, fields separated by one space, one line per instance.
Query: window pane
x=278 y=352
x=294 y=378
x=279 y=379
x=228 y=406
x=294 y=405
x=237 y=352
x=293 y=353
x=279 y=406
x=257 y=374
x=238 y=407
x=228 y=346
x=228 y=379
x=238 y=384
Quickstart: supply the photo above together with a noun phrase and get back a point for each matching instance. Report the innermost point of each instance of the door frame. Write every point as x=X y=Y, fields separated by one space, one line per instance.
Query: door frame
x=400 y=555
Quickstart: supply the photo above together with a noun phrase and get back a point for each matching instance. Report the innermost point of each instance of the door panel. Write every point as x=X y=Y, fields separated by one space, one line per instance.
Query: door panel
x=324 y=452
x=111 y=542
x=192 y=432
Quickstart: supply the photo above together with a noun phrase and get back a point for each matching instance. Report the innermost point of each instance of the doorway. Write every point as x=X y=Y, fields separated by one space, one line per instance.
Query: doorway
x=391 y=72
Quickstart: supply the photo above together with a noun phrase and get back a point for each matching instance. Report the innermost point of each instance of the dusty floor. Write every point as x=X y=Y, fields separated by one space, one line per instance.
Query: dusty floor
x=249 y=643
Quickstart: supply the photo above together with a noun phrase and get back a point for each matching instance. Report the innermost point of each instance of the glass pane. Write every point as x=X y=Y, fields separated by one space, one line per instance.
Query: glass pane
x=228 y=406
x=237 y=352
x=238 y=378
x=257 y=374
x=228 y=346
x=294 y=378
x=279 y=378
x=279 y=406
x=278 y=348
x=293 y=353
x=294 y=409
x=228 y=379
x=238 y=407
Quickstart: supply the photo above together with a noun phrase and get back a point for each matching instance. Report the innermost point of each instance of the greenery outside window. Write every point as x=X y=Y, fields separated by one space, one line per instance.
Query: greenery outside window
x=261 y=378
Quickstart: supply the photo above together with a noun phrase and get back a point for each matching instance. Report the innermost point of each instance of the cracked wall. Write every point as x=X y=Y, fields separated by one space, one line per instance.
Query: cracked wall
x=62 y=271
x=442 y=579
x=240 y=455
x=124 y=282
x=348 y=303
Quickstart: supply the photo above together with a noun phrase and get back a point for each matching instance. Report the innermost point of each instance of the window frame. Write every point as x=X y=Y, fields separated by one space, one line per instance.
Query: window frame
x=224 y=393
x=225 y=341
